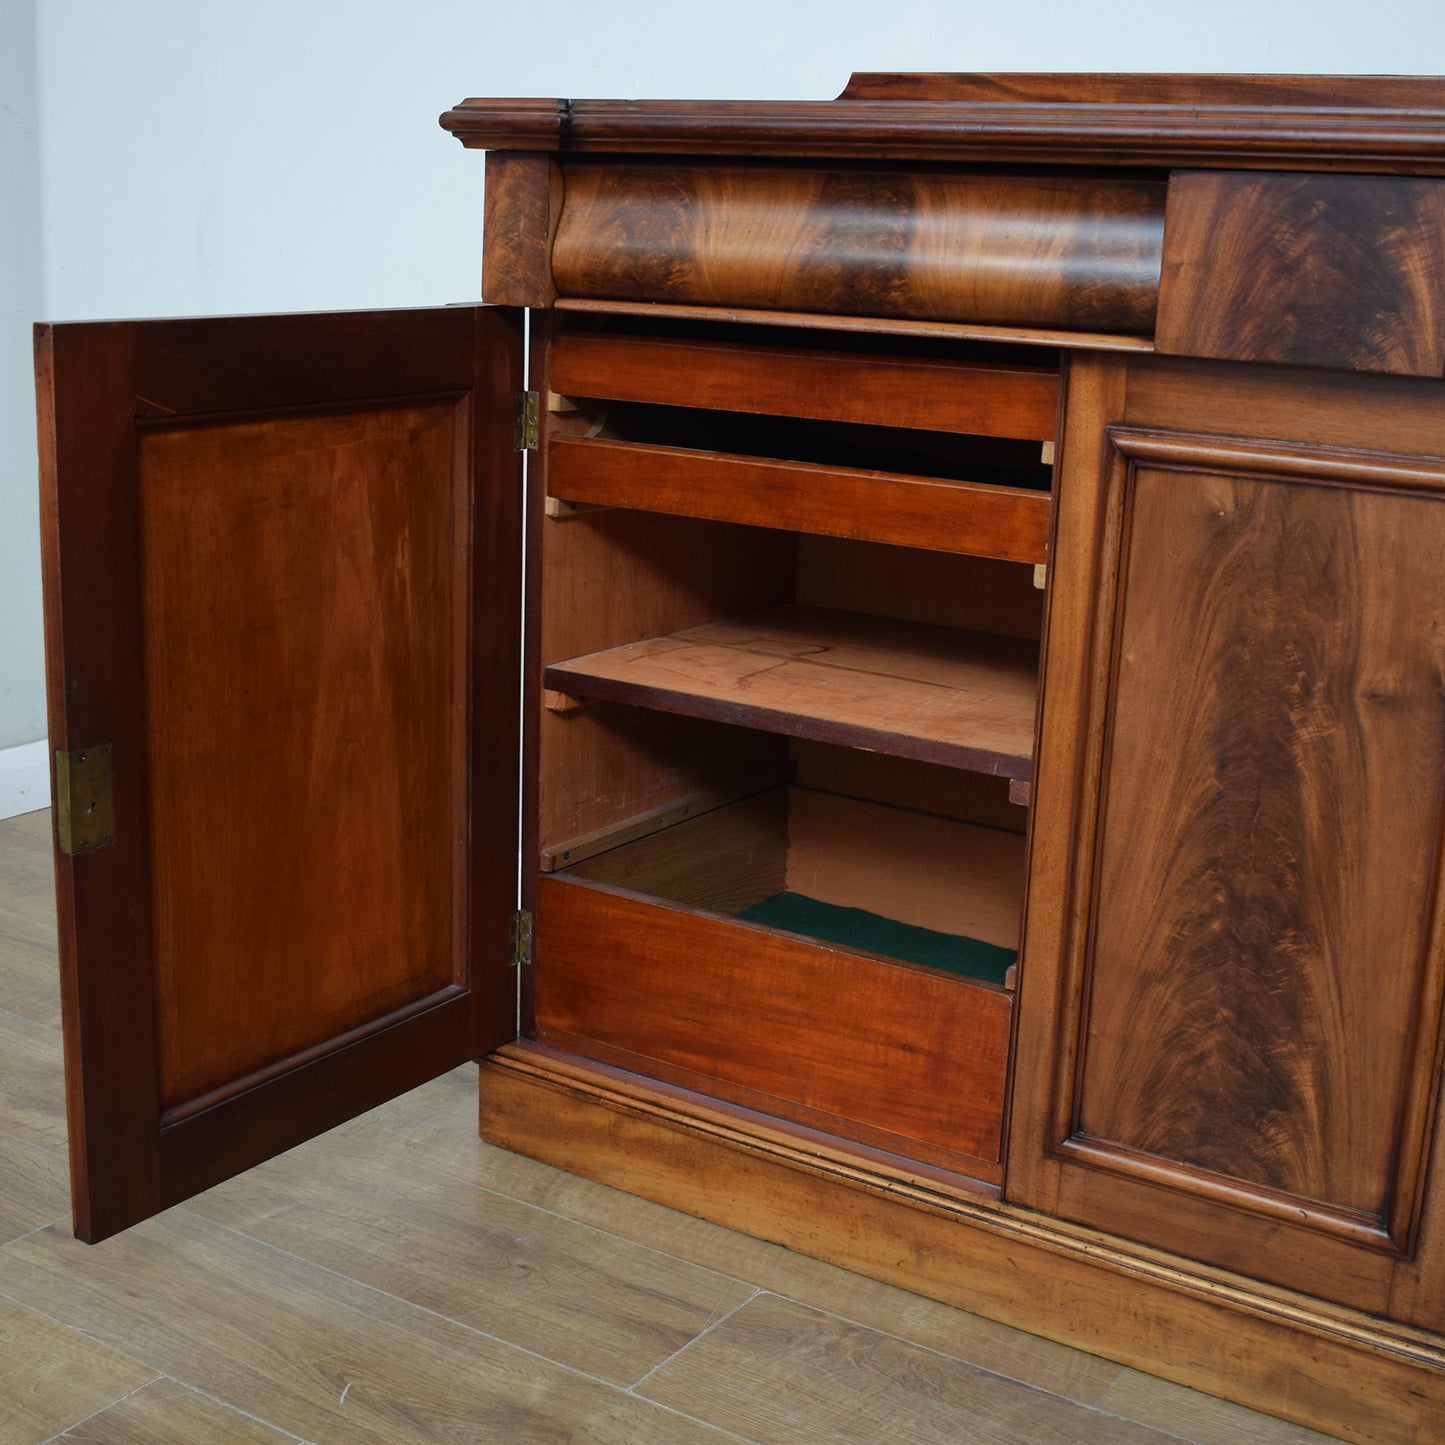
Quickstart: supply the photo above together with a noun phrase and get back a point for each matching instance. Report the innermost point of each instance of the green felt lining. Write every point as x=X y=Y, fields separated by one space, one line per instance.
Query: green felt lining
x=855 y=928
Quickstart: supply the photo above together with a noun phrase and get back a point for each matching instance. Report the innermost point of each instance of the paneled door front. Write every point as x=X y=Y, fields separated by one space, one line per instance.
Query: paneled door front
x=1233 y=970
x=282 y=571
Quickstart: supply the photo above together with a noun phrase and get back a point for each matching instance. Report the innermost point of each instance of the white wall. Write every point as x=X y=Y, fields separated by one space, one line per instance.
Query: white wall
x=22 y=709
x=213 y=155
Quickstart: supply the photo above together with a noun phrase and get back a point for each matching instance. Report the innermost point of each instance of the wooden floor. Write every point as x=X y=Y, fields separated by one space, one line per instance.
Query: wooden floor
x=399 y=1281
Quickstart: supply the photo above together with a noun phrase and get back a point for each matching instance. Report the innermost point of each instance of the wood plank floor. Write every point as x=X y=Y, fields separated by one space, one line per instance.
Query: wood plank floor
x=400 y=1281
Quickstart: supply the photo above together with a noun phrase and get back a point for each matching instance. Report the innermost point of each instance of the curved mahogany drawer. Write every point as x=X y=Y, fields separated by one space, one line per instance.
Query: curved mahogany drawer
x=1073 y=252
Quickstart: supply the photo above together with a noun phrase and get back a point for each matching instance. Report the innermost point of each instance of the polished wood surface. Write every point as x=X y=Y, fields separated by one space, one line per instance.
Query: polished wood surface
x=1320 y=92
x=1270 y=1043
x=1362 y=124
x=1033 y=336
x=982 y=520
x=897 y=1053
x=1262 y=899
x=1066 y=793
x=1337 y=271
x=523 y=201
x=250 y=884
x=976 y=398
x=1003 y=250
x=964 y=699
x=271 y=669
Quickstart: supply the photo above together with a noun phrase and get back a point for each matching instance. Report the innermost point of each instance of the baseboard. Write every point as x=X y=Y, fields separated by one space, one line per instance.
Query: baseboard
x=24 y=778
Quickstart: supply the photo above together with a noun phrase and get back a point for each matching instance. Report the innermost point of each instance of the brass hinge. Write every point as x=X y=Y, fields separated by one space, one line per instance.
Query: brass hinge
x=528 y=408
x=521 y=938
x=84 y=802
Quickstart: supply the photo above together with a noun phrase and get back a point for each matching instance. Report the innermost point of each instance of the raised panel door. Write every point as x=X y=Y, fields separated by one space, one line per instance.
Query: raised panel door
x=1235 y=998
x=282 y=569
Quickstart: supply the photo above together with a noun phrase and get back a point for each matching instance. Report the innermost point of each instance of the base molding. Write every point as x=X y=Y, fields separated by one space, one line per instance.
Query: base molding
x=24 y=778
x=1329 y=1368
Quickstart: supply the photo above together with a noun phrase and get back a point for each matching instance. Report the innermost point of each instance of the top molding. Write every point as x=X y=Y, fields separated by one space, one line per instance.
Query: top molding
x=1251 y=122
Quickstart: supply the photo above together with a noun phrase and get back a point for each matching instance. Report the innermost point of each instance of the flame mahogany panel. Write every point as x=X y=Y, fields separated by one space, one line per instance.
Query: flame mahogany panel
x=1337 y=271
x=523 y=201
x=1255 y=982
x=1008 y=250
x=1242 y=1023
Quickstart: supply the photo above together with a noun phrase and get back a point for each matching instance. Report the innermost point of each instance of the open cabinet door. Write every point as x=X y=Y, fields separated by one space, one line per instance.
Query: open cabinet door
x=282 y=566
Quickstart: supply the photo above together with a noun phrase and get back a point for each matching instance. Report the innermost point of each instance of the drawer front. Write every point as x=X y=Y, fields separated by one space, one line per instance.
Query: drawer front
x=893 y=1056
x=1061 y=252
x=914 y=450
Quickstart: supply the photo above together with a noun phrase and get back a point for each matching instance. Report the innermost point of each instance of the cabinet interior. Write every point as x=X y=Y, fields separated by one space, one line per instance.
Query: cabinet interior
x=805 y=734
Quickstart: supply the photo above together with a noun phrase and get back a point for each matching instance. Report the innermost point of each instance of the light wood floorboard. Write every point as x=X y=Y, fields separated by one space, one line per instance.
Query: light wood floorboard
x=438 y=1138
x=1201 y=1417
x=27 y=920
x=51 y=1375
x=165 y=1413
x=32 y=1087
x=34 y=1187
x=400 y=1281
x=811 y=1372
x=590 y=1300
x=310 y=1350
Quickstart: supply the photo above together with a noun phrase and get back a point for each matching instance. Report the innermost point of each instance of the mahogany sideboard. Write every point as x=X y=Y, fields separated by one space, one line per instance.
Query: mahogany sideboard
x=981 y=760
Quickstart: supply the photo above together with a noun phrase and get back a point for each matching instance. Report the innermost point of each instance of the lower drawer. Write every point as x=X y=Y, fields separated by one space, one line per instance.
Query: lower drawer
x=889 y=1054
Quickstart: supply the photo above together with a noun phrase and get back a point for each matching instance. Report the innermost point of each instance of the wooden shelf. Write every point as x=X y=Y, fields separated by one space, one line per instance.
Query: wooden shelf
x=963 y=699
